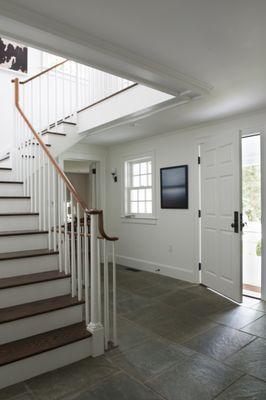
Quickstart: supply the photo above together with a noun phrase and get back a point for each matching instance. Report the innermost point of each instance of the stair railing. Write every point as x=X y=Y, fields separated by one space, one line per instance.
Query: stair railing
x=61 y=211
x=62 y=91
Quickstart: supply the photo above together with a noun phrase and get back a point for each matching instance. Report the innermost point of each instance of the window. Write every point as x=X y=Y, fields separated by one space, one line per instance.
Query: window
x=139 y=188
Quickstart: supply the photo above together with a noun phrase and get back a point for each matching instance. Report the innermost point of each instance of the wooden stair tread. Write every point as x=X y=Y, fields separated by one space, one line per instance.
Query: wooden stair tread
x=14 y=197
x=12 y=182
x=26 y=253
x=21 y=233
x=53 y=133
x=17 y=214
x=22 y=280
x=31 y=346
x=20 y=311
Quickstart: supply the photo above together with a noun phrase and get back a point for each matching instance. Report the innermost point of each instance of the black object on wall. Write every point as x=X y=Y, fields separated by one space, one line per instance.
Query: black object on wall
x=13 y=56
x=174 y=187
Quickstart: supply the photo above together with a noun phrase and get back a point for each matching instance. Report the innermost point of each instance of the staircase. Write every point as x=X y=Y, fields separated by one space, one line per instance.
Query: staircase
x=50 y=264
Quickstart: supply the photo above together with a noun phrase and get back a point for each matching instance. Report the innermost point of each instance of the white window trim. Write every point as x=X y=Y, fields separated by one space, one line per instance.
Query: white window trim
x=136 y=218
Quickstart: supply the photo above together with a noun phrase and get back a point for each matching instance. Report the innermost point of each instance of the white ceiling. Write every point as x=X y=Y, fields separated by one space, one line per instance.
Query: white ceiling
x=220 y=42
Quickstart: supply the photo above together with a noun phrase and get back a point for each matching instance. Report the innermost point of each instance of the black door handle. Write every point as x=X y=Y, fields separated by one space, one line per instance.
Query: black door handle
x=235 y=223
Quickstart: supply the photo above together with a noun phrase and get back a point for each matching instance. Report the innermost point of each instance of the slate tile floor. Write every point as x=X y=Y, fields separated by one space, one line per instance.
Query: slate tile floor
x=177 y=341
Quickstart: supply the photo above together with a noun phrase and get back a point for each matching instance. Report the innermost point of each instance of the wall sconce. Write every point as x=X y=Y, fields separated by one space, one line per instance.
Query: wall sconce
x=114 y=174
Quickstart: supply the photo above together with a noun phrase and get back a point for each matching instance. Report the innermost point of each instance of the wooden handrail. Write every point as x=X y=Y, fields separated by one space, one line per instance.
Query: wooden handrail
x=67 y=182
x=49 y=155
x=101 y=229
x=42 y=73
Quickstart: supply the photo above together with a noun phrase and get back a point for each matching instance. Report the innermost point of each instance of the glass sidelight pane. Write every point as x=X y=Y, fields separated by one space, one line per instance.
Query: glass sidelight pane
x=251 y=198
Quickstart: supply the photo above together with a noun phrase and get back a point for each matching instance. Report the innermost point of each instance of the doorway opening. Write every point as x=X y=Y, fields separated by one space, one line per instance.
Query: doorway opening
x=251 y=206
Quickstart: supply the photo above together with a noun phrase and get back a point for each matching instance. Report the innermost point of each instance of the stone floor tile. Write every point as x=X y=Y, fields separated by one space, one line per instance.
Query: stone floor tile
x=13 y=391
x=151 y=358
x=251 y=359
x=72 y=378
x=260 y=306
x=246 y=387
x=257 y=327
x=151 y=315
x=219 y=342
x=183 y=327
x=198 y=378
x=236 y=317
x=118 y=387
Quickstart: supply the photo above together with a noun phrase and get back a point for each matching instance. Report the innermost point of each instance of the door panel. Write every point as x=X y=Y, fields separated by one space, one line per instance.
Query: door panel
x=220 y=198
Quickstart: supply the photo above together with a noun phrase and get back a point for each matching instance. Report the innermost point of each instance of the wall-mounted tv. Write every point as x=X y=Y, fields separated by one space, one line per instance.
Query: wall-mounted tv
x=174 y=187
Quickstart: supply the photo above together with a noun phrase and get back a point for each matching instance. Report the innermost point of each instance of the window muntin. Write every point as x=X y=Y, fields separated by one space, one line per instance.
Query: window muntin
x=139 y=193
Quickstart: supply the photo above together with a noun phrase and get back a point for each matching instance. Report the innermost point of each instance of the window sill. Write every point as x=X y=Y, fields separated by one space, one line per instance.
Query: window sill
x=139 y=220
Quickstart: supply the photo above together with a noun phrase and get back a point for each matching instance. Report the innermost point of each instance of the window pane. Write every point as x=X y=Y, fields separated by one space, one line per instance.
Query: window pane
x=149 y=207
x=148 y=194
x=149 y=167
x=134 y=207
x=141 y=194
x=134 y=195
x=143 y=180
x=143 y=168
x=149 y=180
x=136 y=169
x=135 y=182
x=141 y=207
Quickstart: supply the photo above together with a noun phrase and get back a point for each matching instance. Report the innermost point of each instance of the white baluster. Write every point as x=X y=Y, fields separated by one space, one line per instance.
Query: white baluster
x=49 y=204
x=73 y=252
x=99 y=278
x=48 y=100
x=66 y=250
x=44 y=190
x=79 y=254
x=39 y=186
x=95 y=325
x=86 y=268
x=106 y=296
x=56 y=98
x=54 y=208
x=114 y=297
x=59 y=202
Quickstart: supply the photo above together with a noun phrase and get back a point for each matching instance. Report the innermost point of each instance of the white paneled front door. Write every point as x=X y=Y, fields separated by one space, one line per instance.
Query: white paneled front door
x=221 y=231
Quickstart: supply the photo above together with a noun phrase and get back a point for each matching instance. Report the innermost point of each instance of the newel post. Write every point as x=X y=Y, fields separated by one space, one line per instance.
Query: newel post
x=95 y=325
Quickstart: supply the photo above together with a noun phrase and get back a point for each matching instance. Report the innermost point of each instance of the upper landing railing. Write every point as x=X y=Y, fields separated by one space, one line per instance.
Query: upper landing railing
x=62 y=91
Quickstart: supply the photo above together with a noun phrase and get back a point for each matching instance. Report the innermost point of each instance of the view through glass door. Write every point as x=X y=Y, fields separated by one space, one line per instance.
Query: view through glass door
x=251 y=195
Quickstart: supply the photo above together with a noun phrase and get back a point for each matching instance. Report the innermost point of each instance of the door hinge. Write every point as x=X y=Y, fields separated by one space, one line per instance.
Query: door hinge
x=94 y=171
x=198 y=159
x=199 y=213
x=199 y=266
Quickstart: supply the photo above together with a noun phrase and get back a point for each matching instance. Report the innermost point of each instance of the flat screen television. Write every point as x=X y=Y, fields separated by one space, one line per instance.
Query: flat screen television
x=174 y=187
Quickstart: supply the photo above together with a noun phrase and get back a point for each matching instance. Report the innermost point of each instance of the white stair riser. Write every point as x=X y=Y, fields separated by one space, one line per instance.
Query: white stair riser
x=41 y=323
x=14 y=205
x=29 y=367
x=6 y=175
x=28 y=265
x=18 y=222
x=11 y=189
x=23 y=242
x=37 y=291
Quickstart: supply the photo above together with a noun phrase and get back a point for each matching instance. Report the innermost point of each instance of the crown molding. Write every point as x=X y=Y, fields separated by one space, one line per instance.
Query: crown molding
x=37 y=30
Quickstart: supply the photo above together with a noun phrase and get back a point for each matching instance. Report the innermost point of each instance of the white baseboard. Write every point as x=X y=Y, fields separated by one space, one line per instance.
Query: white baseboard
x=161 y=269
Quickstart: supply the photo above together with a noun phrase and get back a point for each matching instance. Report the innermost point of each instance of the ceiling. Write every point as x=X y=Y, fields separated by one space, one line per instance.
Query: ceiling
x=221 y=44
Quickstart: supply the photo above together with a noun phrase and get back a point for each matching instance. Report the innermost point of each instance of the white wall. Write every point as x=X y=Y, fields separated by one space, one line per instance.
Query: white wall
x=82 y=183
x=146 y=246
x=7 y=96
